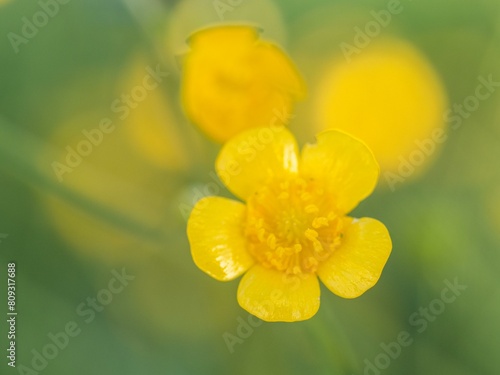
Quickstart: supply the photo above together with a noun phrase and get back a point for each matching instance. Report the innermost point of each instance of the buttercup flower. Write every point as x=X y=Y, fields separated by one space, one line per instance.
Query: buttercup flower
x=293 y=226
x=233 y=81
x=386 y=85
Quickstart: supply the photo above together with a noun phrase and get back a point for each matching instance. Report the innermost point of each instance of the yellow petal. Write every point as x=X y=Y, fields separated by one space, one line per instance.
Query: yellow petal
x=251 y=158
x=357 y=264
x=215 y=233
x=232 y=81
x=344 y=164
x=274 y=296
x=279 y=70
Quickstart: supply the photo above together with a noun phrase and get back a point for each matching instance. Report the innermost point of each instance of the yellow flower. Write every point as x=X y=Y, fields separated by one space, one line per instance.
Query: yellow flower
x=293 y=227
x=233 y=81
x=389 y=96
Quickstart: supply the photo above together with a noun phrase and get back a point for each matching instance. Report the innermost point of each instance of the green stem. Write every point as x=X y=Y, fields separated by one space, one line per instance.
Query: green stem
x=338 y=349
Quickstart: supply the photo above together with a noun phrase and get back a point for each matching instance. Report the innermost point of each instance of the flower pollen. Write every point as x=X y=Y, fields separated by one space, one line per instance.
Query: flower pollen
x=292 y=225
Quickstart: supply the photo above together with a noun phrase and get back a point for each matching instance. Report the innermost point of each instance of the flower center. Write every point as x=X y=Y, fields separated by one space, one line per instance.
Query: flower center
x=292 y=225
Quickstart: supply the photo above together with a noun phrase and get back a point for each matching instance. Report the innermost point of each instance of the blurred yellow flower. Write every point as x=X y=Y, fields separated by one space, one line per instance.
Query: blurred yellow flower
x=233 y=81
x=389 y=96
x=293 y=227
x=151 y=123
x=105 y=191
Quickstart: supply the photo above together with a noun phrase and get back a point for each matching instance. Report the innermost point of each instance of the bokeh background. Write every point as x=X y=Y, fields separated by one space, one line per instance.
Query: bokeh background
x=125 y=204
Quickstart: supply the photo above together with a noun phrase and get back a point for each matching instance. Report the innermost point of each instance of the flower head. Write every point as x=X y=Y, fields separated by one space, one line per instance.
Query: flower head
x=389 y=95
x=293 y=227
x=233 y=81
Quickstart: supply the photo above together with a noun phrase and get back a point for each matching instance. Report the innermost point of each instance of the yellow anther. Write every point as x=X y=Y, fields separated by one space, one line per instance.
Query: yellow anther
x=319 y=222
x=311 y=209
x=318 y=247
x=291 y=250
x=271 y=241
x=297 y=248
x=311 y=234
